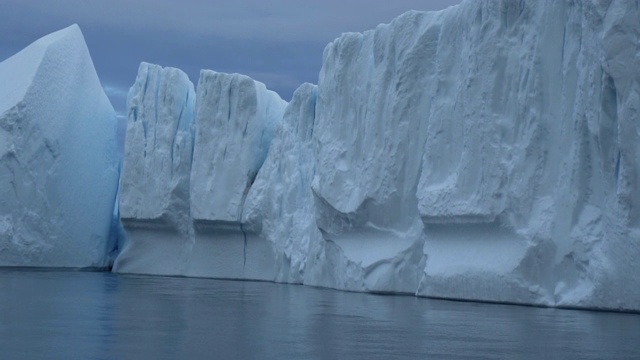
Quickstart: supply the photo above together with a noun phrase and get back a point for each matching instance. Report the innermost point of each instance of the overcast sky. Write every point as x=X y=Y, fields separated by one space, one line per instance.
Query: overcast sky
x=278 y=42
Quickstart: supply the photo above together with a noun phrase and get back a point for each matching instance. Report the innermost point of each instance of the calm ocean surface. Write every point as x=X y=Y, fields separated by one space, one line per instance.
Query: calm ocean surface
x=84 y=315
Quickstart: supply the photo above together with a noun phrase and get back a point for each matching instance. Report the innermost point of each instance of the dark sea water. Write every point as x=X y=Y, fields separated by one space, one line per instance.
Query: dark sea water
x=83 y=315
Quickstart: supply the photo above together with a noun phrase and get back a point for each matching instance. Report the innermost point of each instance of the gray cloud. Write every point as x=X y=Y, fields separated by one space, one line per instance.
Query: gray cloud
x=277 y=20
x=278 y=42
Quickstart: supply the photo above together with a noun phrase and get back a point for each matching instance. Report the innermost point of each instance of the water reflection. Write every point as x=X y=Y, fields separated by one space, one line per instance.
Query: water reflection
x=102 y=315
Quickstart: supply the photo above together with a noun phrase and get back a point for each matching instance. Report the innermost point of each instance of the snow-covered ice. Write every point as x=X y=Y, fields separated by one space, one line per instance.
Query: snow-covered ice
x=488 y=151
x=58 y=156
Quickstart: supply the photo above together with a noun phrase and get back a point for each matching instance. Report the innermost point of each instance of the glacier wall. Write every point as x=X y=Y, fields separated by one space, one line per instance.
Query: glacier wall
x=507 y=130
x=58 y=156
x=488 y=151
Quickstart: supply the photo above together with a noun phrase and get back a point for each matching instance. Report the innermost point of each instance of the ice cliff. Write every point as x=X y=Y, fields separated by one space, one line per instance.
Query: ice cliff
x=240 y=116
x=189 y=163
x=58 y=158
x=488 y=151
x=159 y=146
x=509 y=129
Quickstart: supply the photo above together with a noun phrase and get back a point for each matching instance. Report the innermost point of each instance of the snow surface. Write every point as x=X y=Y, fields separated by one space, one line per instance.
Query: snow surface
x=488 y=151
x=58 y=157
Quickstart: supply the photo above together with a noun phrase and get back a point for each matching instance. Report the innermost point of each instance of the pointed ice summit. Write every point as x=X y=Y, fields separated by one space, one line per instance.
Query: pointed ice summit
x=58 y=158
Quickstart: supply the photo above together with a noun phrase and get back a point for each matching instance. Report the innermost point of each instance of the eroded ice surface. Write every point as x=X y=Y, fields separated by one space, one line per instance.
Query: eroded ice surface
x=488 y=151
x=235 y=122
x=189 y=163
x=510 y=129
x=58 y=159
x=159 y=146
x=279 y=204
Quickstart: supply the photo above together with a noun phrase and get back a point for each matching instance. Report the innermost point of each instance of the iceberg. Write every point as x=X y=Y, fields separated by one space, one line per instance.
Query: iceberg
x=58 y=157
x=488 y=151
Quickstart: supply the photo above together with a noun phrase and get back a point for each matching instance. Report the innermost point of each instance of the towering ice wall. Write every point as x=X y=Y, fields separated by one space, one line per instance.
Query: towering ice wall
x=488 y=151
x=159 y=147
x=58 y=158
x=510 y=129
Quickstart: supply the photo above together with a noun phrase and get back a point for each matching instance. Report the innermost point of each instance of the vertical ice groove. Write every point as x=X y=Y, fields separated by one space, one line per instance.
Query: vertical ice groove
x=244 y=248
x=156 y=102
x=145 y=68
x=230 y=105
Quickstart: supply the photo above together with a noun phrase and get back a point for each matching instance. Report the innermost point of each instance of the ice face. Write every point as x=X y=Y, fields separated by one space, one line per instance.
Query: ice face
x=58 y=156
x=532 y=167
x=235 y=122
x=485 y=152
x=280 y=203
x=189 y=164
x=505 y=139
x=158 y=147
